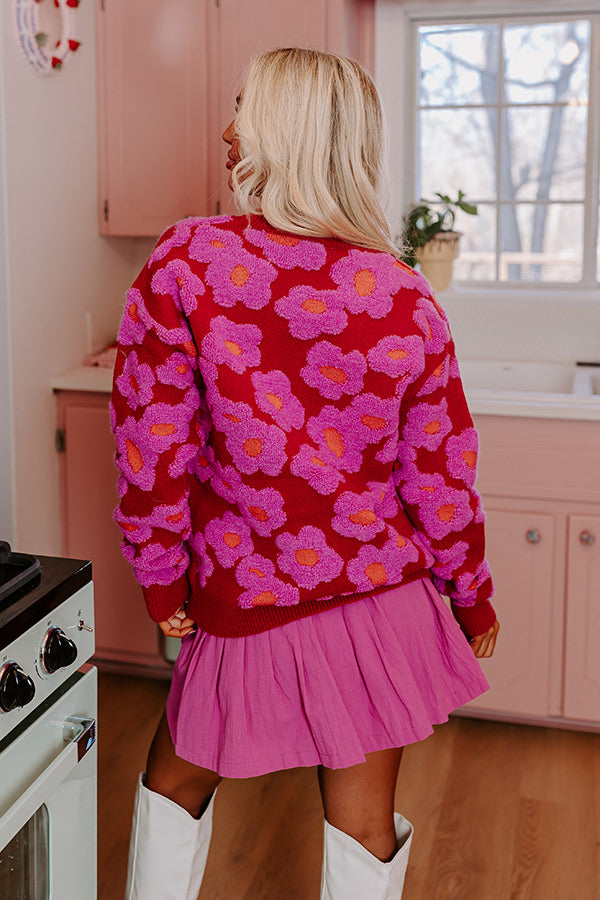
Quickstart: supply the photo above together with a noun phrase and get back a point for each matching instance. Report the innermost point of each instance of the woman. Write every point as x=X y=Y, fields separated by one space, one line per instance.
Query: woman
x=297 y=464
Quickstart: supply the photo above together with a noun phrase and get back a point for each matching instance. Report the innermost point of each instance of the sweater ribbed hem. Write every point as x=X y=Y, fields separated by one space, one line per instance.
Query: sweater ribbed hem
x=162 y=600
x=233 y=621
x=476 y=619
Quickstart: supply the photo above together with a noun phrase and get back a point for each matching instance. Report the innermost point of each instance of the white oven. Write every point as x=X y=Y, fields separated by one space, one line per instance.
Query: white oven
x=48 y=751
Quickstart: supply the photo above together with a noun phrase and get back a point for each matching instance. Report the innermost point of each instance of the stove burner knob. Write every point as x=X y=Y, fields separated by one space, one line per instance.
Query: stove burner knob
x=16 y=688
x=57 y=651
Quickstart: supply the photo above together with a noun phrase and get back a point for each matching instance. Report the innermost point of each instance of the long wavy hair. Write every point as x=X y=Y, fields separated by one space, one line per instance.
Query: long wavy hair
x=310 y=128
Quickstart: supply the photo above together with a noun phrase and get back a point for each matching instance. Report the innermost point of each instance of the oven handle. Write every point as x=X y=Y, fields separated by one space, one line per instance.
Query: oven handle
x=80 y=734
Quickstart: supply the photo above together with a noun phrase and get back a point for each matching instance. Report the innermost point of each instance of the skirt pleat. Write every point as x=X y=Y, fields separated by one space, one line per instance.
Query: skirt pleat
x=371 y=674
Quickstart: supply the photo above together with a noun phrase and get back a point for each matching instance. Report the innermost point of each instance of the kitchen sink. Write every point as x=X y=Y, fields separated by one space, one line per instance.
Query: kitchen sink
x=565 y=379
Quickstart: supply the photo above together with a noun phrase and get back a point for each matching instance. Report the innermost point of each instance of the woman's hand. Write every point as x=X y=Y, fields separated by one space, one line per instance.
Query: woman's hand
x=484 y=644
x=177 y=625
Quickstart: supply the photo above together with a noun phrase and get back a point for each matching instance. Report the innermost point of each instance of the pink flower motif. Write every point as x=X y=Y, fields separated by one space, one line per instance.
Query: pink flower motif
x=309 y=464
x=438 y=378
x=229 y=413
x=136 y=460
x=368 y=281
x=230 y=538
x=461 y=453
x=205 y=566
x=432 y=322
x=202 y=463
x=136 y=381
x=356 y=517
x=274 y=396
x=442 y=509
x=307 y=557
x=399 y=550
x=133 y=329
x=287 y=250
x=156 y=564
x=178 y=280
x=257 y=574
x=447 y=562
x=468 y=584
x=254 y=445
x=385 y=499
x=175 y=236
x=181 y=461
x=411 y=279
x=122 y=486
x=176 y=371
x=398 y=356
x=164 y=424
x=226 y=481
x=339 y=443
x=232 y=344
x=241 y=277
x=373 y=568
x=171 y=328
x=311 y=312
x=135 y=529
x=332 y=372
x=210 y=243
x=427 y=424
x=374 y=418
x=454 y=368
x=262 y=510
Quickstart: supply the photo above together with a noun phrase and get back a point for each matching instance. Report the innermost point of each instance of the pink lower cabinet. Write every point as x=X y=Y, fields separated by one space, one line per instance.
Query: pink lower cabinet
x=126 y=638
x=521 y=551
x=582 y=644
x=540 y=482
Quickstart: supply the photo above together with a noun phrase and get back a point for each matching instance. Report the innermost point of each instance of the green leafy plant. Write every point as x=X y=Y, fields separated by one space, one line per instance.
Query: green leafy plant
x=428 y=218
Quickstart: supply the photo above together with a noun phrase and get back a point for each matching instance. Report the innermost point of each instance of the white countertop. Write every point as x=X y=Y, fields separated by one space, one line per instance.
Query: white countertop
x=505 y=399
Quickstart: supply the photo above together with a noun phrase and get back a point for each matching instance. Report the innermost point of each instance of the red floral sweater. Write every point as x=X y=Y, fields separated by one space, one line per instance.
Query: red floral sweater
x=291 y=431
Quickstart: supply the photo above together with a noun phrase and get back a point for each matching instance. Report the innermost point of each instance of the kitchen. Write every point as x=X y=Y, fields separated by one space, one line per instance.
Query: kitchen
x=63 y=287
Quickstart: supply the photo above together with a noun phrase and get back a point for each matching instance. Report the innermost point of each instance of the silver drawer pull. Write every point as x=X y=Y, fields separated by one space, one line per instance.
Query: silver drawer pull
x=586 y=537
x=533 y=536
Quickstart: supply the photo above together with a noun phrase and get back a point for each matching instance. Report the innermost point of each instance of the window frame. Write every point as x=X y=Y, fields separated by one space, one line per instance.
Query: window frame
x=397 y=22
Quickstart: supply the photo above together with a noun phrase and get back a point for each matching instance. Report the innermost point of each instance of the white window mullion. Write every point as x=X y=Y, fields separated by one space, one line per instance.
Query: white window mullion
x=592 y=179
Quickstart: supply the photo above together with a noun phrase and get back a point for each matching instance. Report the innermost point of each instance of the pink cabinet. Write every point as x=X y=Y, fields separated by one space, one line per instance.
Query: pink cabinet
x=540 y=483
x=126 y=638
x=168 y=73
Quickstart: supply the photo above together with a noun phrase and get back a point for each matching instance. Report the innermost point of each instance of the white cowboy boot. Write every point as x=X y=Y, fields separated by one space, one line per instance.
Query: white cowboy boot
x=350 y=872
x=168 y=848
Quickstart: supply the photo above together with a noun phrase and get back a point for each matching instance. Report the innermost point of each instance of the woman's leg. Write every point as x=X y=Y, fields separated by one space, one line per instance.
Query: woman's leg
x=359 y=800
x=187 y=785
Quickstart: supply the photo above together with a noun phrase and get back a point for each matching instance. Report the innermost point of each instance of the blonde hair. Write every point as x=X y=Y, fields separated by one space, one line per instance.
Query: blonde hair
x=310 y=128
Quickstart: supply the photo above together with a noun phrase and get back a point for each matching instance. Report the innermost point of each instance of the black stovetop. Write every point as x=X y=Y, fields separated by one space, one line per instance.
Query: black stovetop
x=59 y=579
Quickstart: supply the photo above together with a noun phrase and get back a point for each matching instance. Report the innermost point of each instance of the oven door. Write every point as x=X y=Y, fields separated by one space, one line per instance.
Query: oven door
x=48 y=769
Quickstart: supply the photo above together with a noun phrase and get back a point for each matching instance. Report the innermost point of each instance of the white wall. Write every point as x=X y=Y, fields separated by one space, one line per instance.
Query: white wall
x=59 y=268
x=538 y=324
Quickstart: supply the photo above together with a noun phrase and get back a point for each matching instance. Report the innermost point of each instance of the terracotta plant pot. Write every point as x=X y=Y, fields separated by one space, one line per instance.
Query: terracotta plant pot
x=436 y=258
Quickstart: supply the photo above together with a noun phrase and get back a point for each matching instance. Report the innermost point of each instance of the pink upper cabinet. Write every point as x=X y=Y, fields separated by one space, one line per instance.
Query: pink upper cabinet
x=168 y=74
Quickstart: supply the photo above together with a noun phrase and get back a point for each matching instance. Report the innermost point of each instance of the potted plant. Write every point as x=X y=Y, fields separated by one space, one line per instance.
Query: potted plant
x=429 y=238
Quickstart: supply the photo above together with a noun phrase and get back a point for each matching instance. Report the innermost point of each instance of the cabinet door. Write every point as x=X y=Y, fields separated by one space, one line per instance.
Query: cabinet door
x=152 y=84
x=582 y=657
x=520 y=550
x=124 y=632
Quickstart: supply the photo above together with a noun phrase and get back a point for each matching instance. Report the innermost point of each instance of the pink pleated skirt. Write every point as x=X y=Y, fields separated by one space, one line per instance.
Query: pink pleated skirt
x=372 y=674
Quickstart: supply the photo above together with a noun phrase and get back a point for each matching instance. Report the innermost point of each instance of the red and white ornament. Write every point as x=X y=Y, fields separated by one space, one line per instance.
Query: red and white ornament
x=31 y=39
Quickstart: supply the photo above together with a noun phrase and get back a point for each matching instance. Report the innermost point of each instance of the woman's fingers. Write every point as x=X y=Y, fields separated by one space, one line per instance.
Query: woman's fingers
x=177 y=625
x=483 y=645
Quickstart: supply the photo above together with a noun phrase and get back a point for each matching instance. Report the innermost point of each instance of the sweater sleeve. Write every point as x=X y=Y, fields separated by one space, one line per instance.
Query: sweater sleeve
x=157 y=422
x=435 y=476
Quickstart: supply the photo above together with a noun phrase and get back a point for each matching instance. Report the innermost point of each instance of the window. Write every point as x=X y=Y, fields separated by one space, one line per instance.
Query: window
x=503 y=112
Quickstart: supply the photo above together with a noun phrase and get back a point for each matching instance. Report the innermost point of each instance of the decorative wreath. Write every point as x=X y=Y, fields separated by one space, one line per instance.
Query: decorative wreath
x=34 y=42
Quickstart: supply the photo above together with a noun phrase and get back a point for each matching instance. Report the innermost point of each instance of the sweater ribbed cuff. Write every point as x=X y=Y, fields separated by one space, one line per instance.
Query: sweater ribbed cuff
x=162 y=600
x=476 y=619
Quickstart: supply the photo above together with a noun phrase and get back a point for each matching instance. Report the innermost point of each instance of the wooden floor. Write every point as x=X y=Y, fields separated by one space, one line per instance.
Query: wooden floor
x=501 y=812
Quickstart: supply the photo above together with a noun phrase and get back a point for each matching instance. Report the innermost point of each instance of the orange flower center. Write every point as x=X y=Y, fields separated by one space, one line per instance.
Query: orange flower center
x=253 y=447
x=265 y=598
x=363 y=517
x=334 y=374
x=259 y=513
x=134 y=457
x=218 y=245
x=373 y=422
x=232 y=539
x=161 y=429
x=397 y=354
x=312 y=305
x=307 y=556
x=132 y=312
x=432 y=427
x=317 y=462
x=446 y=512
x=285 y=239
x=334 y=441
x=470 y=457
x=275 y=401
x=233 y=348
x=364 y=282
x=239 y=275
x=376 y=573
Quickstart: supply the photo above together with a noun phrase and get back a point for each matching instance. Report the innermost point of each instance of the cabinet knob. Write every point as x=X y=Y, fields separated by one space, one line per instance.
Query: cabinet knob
x=533 y=536
x=586 y=537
